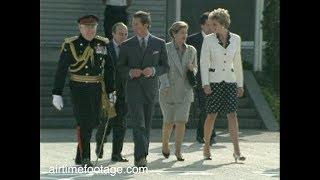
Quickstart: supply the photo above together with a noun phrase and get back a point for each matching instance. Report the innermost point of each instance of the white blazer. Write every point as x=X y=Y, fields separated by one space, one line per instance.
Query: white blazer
x=218 y=64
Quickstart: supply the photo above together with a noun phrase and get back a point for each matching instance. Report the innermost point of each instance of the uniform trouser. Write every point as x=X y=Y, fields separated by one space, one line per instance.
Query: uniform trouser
x=86 y=100
x=112 y=15
x=83 y=137
x=141 y=118
x=201 y=103
x=118 y=125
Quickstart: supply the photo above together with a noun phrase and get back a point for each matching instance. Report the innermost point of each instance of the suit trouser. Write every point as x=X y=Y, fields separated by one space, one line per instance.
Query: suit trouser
x=118 y=125
x=201 y=103
x=112 y=15
x=141 y=118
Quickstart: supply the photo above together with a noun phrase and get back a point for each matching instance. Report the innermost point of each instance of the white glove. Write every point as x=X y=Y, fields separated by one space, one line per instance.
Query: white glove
x=57 y=102
x=113 y=97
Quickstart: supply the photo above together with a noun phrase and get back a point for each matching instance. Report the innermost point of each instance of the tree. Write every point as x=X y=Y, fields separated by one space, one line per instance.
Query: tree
x=271 y=24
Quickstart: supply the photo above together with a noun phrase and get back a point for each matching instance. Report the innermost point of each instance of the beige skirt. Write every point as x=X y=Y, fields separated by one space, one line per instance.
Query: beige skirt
x=175 y=112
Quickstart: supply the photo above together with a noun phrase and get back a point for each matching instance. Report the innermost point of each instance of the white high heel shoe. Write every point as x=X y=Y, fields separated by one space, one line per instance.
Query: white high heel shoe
x=238 y=157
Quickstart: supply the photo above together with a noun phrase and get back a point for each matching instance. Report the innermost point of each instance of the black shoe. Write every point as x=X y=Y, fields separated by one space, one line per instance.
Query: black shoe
x=119 y=158
x=213 y=141
x=166 y=155
x=142 y=162
x=86 y=163
x=179 y=157
x=77 y=160
x=200 y=140
x=99 y=155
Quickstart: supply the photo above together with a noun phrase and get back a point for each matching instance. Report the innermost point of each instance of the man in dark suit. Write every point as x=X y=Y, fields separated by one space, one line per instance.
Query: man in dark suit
x=118 y=123
x=142 y=59
x=196 y=41
x=115 y=11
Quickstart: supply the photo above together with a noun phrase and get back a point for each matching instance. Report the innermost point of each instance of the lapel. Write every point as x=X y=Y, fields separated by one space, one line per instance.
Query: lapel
x=113 y=53
x=137 y=49
x=148 y=48
x=200 y=39
x=175 y=58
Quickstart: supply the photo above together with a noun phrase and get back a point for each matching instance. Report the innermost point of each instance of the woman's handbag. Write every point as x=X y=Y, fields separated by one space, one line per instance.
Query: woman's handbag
x=191 y=78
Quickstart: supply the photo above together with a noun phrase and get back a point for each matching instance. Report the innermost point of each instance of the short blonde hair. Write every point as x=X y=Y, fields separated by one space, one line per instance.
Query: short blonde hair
x=222 y=16
x=176 y=27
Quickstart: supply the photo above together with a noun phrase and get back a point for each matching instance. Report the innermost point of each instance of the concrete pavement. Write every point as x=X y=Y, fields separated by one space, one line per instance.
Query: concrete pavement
x=262 y=149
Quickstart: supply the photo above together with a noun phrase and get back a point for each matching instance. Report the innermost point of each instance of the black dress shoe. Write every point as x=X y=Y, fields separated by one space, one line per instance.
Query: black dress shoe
x=77 y=160
x=142 y=162
x=213 y=141
x=179 y=157
x=86 y=163
x=99 y=155
x=166 y=155
x=200 y=140
x=119 y=158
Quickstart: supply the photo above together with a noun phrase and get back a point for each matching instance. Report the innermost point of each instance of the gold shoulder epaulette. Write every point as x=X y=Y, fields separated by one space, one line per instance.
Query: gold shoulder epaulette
x=70 y=39
x=106 y=40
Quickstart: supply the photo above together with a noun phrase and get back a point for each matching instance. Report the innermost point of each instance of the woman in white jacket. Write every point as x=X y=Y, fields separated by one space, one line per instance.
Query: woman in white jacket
x=222 y=77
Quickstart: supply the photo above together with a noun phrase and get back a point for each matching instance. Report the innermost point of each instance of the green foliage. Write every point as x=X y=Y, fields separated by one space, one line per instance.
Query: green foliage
x=271 y=24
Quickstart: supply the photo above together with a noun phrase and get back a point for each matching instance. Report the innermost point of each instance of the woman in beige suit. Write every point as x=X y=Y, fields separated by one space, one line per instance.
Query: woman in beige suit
x=176 y=93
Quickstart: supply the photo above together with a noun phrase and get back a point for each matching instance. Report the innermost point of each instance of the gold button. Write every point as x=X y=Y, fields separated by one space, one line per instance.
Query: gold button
x=100 y=66
x=101 y=58
x=87 y=74
x=97 y=81
x=86 y=81
x=86 y=67
x=80 y=44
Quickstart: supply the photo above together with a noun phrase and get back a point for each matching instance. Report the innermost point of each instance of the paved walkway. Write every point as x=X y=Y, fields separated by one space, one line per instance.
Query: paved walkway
x=262 y=149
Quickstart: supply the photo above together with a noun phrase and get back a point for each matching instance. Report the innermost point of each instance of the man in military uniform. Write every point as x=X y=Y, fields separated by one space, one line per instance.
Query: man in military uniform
x=91 y=72
x=118 y=124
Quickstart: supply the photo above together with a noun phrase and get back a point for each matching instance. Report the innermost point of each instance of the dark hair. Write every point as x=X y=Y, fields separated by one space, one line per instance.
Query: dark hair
x=204 y=17
x=176 y=27
x=114 y=27
x=143 y=16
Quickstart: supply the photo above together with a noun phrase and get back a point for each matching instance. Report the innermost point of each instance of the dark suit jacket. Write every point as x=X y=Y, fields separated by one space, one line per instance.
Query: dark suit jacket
x=196 y=41
x=119 y=82
x=142 y=90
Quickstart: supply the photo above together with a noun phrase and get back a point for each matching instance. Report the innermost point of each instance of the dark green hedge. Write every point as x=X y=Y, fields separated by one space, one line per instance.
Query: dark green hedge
x=271 y=27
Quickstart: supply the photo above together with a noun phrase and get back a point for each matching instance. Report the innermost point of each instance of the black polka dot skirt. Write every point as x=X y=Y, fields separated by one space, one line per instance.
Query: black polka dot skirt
x=223 y=98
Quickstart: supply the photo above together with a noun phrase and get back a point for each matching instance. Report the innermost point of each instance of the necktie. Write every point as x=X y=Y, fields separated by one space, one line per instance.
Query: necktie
x=117 y=51
x=143 y=44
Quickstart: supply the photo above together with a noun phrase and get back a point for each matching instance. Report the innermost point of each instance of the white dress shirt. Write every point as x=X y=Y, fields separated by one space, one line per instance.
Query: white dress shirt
x=219 y=64
x=116 y=48
x=146 y=38
x=116 y=2
x=203 y=34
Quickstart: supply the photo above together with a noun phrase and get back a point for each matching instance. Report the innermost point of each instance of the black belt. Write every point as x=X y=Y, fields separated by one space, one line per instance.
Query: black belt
x=122 y=8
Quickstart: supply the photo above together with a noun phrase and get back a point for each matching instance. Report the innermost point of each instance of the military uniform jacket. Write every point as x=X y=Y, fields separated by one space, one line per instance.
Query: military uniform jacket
x=73 y=51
